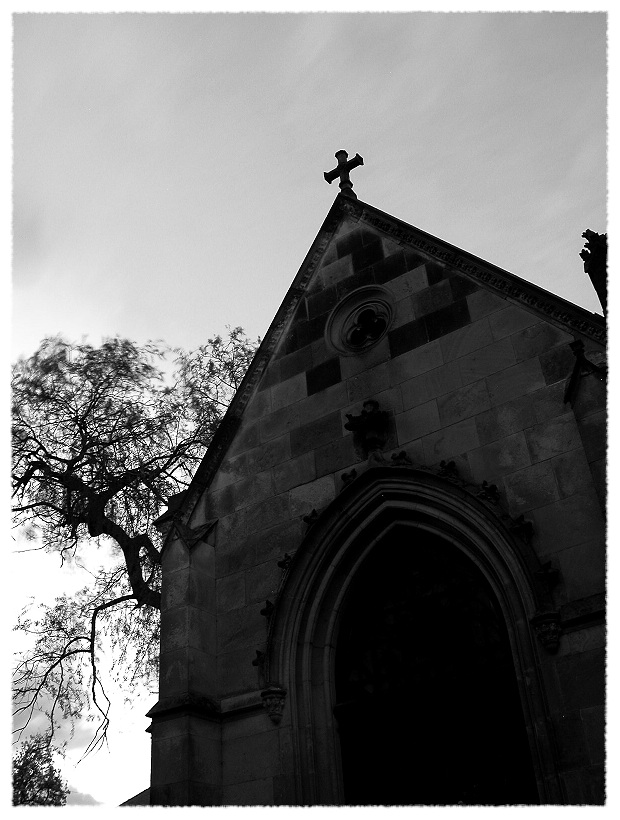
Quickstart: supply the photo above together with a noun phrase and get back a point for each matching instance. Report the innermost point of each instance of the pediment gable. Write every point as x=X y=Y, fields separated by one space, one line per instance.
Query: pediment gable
x=432 y=289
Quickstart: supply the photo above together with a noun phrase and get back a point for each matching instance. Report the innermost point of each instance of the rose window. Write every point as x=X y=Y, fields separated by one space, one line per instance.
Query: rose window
x=360 y=320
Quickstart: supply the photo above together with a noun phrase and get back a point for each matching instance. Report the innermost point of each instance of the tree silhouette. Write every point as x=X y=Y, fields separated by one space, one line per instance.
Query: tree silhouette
x=36 y=781
x=102 y=438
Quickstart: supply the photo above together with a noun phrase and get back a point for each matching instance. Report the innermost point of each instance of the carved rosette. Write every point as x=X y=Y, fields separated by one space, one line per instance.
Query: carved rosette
x=547 y=628
x=273 y=701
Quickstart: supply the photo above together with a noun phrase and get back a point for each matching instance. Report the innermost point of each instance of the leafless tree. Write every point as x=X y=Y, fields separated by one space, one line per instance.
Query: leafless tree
x=102 y=438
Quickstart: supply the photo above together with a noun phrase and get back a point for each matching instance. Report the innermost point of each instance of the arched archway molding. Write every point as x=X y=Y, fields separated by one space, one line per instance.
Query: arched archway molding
x=304 y=625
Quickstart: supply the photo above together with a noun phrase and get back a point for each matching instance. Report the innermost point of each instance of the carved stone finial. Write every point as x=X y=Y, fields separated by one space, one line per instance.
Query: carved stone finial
x=489 y=492
x=594 y=257
x=342 y=171
x=546 y=626
x=273 y=700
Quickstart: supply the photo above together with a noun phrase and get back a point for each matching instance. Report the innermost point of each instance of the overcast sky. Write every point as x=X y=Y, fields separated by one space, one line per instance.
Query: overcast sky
x=168 y=169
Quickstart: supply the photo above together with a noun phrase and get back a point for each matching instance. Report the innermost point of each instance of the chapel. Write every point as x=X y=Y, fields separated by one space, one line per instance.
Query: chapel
x=386 y=582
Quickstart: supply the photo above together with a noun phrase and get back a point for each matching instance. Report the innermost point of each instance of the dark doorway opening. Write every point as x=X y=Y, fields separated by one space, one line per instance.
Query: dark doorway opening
x=427 y=704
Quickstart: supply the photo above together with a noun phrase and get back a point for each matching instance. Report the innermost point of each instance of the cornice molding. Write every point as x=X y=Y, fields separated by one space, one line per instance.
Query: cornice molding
x=502 y=282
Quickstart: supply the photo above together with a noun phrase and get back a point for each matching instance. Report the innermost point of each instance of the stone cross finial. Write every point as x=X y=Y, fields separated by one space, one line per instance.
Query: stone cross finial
x=342 y=171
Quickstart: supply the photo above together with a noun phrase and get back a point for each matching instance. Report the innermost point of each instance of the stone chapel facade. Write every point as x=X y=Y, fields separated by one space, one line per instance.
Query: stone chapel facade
x=386 y=583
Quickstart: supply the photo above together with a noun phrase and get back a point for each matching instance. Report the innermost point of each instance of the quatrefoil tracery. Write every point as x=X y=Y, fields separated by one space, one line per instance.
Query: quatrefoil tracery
x=360 y=320
x=368 y=327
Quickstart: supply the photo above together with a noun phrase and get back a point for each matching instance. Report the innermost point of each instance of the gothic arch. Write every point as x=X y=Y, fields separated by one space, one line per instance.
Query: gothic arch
x=303 y=631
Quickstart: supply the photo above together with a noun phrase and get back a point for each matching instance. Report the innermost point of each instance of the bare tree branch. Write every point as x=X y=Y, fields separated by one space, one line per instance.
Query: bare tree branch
x=101 y=439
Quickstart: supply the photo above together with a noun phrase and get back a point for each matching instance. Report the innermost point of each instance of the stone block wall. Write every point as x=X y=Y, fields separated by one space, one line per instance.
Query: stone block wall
x=465 y=375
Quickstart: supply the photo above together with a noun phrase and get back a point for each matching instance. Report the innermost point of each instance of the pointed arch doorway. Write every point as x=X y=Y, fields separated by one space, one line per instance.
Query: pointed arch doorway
x=401 y=540
x=427 y=705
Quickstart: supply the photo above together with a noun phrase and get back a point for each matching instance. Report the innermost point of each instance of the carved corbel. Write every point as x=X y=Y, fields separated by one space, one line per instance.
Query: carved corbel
x=547 y=628
x=273 y=700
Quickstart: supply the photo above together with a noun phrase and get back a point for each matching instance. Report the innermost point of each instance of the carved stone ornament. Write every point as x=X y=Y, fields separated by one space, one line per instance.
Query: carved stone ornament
x=594 y=257
x=347 y=478
x=370 y=429
x=310 y=518
x=267 y=610
x=488 y=492
x=546 y=626
x=285 y=562
x=401 y=459
x=376 y=458
x=449 y=470
x=273 y=700
x=359 y=321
